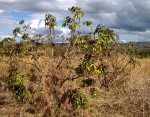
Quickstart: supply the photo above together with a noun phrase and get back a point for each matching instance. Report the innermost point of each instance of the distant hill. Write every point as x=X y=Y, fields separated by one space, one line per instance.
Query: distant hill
x=139 y=45
x=143 y=45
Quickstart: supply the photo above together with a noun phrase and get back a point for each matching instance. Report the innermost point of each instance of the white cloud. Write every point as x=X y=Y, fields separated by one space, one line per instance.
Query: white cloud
x=34 y=23
x=123 y=41
x=65 y=31
x=1 y=11
x=124 y=16
x=41 y=24
x=64 y=4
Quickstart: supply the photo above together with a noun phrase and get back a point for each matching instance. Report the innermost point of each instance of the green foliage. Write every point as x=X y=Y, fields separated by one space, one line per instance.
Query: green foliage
x=16 y=85
x=96 y=48
x=96 y=52
x=50 y=20
x=142 y=53
x=77 y=12
x=25 y=47
x=71 y=23
x=78 y=100
x=8 y=46
x=17 y=31
x=11 y=48
x=88 y=24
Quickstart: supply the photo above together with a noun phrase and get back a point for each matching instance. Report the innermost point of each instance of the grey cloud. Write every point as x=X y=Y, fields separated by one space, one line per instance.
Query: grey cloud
x=34 y=6
x=132 y=15
x=124 y=16
x=120 y=14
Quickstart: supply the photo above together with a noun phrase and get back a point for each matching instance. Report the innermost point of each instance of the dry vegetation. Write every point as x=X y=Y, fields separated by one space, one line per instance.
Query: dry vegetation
x=127 y=99
x=93 y=76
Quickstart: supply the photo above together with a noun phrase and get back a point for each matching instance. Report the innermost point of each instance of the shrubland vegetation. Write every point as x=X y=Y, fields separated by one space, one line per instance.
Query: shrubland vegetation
x=91 y=76
x=142 y=53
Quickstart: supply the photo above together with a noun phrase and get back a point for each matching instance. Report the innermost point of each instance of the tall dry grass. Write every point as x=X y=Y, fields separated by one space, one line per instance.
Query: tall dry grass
x=128 y=98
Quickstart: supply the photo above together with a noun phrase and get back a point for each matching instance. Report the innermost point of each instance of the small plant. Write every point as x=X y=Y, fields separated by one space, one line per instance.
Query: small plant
x=16 y=85
x=78 y=100
x=8 y=46
x=50 y=22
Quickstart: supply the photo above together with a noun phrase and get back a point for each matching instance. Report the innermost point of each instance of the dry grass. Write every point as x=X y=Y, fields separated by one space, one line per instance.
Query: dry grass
x=129 y=99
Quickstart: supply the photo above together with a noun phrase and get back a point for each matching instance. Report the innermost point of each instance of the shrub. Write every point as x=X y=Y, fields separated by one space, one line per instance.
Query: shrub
x=16 y=85
x=78 y=100
x=95 y=56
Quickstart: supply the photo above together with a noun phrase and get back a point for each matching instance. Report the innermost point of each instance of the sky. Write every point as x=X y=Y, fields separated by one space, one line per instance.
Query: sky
x=130 y=19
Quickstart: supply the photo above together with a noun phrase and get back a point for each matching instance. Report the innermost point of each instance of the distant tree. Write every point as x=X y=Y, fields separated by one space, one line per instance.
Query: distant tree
x=77 y=14
x=50 y=21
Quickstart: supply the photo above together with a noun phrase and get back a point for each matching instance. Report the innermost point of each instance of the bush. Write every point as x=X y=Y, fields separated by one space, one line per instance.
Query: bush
x=55 y=76
x=78 y=100
x=16 y=85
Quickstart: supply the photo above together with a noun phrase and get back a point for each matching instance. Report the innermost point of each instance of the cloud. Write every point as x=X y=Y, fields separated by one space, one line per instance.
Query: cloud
x=57 y=7
x=7 y=24
x=126 y=17
x=34 y=23
x=132 y=15
x=1 y=11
